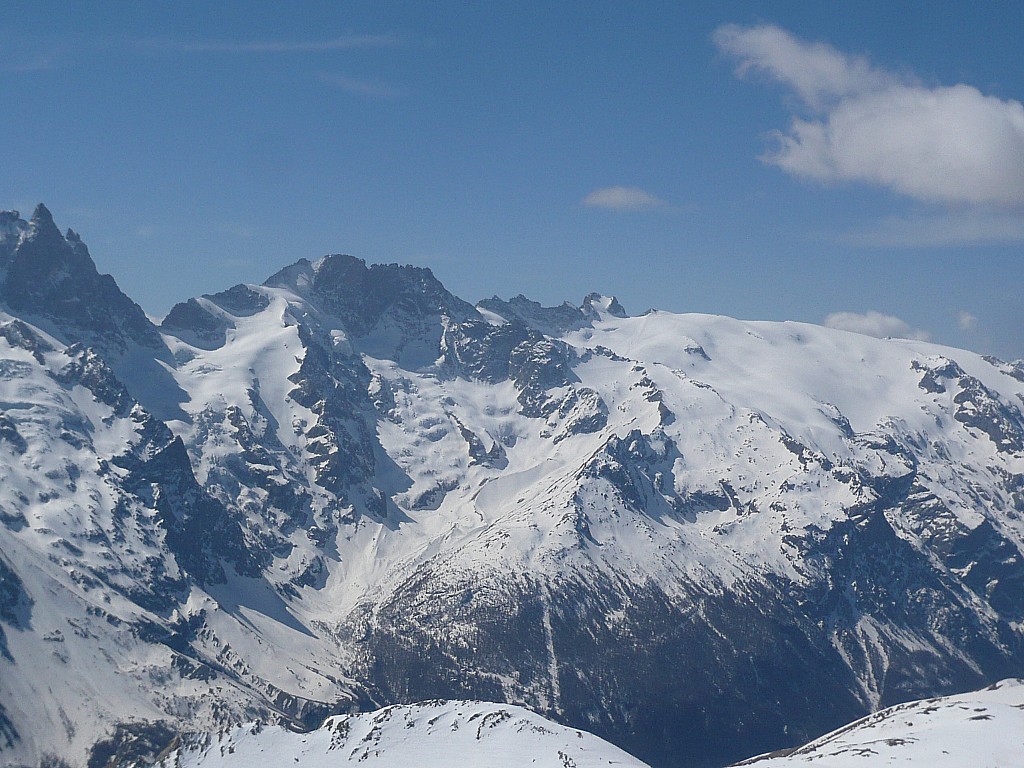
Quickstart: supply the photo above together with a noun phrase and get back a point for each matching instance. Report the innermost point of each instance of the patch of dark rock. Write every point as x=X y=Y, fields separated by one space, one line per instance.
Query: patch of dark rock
x=240 y=300
x=9 y=434
x=132 y=743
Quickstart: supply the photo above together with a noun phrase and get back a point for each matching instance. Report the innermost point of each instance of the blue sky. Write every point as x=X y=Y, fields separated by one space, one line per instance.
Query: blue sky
x=855 y=163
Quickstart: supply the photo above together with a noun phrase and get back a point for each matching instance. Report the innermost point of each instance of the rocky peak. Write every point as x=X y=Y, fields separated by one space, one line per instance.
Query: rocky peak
x=12 y=229
x=54 y=278
x=552 y=321
x=41 y=224
x=360 y=295
x=297 y=277
x=11 y=225
x=192 y=322
x=203 y=322
x=363 y=295
x=392 y=311
x=595 y=306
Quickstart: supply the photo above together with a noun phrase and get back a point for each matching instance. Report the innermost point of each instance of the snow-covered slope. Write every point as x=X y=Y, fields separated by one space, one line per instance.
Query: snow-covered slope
x=698 y=537
x=429 y=735
x=983 y=729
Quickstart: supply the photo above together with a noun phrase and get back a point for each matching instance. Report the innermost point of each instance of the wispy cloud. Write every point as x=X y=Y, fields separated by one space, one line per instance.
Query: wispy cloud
x=966 y=320
x=949 y=144
x=235 y=230
x=875 y=324
x=950 y=229
x=373 y=89
x=816 y=71
x=44 y=61
x=28 y=54
x=623 y=199
x=342 y=43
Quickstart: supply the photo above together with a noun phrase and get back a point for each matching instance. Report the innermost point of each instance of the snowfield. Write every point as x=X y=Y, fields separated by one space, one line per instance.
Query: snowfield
x=982 y=729
x=429 y=735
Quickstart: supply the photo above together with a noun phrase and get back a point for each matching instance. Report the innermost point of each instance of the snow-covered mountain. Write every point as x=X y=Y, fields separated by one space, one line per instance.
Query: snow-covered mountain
x=429 y=735
x=697 y=537
x=981 y=729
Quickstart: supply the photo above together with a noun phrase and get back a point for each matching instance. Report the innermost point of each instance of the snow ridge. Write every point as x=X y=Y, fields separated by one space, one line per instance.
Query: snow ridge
x=971 y=730
x=425 y=735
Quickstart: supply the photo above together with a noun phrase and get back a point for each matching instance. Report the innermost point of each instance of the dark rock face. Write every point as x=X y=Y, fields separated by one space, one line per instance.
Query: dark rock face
x=409 y=299
x=194 y=323
x=240 y=301
x=12 y=229
x=10 y=435
x=638 y=468
x=539 y=367
x=482 y=351
x=8 y=733
x=362 y=295
x=200 y=533
x=15 y=609
x=335 y=389
x=18 y=334
x=705 y=661
x=89 y=370
x=865 y=569
x=978 y=407
x=190 y=321
x=52 y=276
x=546 y=320
x=932 y=380
x=50 y=280
x=613 y=307
x=141 y=741
x=536 y=366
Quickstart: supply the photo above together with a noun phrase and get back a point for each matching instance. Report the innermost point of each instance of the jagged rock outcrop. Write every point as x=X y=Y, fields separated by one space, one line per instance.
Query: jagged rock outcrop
x=49 y=276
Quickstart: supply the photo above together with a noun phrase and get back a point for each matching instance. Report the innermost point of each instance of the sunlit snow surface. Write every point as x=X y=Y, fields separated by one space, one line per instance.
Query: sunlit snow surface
x=982 y=729
x=430 y=735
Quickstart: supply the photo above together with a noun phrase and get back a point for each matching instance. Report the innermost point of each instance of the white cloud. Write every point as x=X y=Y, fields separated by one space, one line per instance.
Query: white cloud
x=875 y=324
x=623 y=199
x=343 y=43
x=966 y=320
x=948 y=144
x=816 y=71
x=370 y=88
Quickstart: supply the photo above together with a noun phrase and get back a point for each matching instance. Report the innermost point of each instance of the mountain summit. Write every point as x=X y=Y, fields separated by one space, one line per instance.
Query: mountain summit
x=52 y=278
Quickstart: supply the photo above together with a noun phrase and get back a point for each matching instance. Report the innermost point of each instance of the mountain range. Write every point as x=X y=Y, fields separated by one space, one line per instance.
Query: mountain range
x=698 y=538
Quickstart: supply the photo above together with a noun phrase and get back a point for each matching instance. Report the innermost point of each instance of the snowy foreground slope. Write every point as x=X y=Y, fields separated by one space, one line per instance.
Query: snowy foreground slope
x=982 y=729
x=697 y=537
x=429 y=735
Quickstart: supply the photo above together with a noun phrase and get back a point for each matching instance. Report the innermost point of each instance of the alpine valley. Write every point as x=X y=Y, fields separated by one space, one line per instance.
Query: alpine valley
x=697 y=538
